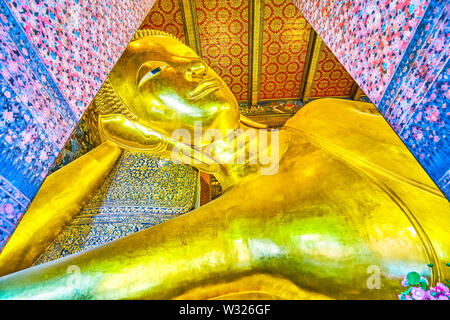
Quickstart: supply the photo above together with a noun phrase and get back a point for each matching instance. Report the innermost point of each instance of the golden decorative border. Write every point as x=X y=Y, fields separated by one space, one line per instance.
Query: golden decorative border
x=313 y=55
x=255 y=29
x=309 y=53
x=189 y=16
x=357 y=93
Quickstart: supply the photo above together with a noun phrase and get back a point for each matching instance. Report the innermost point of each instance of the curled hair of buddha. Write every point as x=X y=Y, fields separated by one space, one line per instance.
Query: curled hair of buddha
x=142 y=33
x=107 y=101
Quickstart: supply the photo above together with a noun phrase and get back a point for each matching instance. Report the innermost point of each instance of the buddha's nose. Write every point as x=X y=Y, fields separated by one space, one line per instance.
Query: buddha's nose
x=196 y=71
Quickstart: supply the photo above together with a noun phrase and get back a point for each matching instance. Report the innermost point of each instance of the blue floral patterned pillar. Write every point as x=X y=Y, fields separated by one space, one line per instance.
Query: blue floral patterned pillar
x=398 y=53
x=54 y=56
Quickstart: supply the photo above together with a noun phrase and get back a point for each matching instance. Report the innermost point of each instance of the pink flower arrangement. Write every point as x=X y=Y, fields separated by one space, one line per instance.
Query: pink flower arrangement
x=417 y=289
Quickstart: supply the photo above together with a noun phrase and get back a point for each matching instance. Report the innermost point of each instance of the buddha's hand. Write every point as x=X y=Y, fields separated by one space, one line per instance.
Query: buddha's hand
x=131 y=134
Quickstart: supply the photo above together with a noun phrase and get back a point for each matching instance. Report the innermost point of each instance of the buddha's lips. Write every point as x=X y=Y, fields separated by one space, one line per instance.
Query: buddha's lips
x=203 y=88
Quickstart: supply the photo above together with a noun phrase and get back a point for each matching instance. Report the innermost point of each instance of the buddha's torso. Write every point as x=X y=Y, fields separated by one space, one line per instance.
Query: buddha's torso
x=349 y=201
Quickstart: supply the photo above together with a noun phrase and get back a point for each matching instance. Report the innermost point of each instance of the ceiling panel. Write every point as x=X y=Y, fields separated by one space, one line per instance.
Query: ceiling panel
x=223 y=33
x=165 y=15
x=330 y=78
x=285 y=46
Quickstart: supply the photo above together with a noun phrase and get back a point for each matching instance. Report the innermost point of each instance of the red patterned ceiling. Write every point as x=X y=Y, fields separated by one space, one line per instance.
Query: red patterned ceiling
x=285 y=46
x=223 y=32
x=224 y=41
x=330 y=79
x=165 y=15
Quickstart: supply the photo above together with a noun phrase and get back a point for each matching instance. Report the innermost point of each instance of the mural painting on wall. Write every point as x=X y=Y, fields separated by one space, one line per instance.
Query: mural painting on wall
x=370 y=51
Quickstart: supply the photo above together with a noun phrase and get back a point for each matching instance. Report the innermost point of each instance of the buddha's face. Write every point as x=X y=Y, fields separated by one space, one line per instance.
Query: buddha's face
x=168 y=87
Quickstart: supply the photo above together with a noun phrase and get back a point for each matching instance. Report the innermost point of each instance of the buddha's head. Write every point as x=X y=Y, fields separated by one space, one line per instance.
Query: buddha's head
x=163 y=85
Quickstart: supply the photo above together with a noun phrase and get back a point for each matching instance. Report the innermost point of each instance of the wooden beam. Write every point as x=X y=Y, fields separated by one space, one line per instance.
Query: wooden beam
x=356 y=92
x=309 y=54
x=353 y=89
x=255 y=29
x=315 y=46
x=189 y=15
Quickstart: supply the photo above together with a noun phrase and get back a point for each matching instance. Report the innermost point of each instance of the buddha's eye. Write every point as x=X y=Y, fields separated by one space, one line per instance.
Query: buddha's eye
x=149 y=70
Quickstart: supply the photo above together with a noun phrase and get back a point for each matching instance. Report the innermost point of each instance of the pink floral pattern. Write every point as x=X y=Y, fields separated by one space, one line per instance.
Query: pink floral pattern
x=368 y=37
x=417 y=290
x=54 y=56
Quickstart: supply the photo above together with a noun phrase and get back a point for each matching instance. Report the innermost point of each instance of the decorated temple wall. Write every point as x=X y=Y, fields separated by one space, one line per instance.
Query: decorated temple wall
x=84 y=138
x=55 y=55
x=397 y=51
x=286 y=36
x=330 y=78
x=165 y=16
x=223 y=35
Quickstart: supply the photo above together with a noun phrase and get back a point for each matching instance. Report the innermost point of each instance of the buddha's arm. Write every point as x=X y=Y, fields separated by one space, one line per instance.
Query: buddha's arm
x=59 y=199
x=206 y=249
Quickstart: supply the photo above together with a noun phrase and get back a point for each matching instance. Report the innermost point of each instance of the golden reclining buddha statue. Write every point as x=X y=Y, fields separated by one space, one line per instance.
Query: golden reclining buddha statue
x=346 y=202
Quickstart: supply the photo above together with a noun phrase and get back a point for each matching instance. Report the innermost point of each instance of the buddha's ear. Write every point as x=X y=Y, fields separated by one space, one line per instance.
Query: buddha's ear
x=130 y=134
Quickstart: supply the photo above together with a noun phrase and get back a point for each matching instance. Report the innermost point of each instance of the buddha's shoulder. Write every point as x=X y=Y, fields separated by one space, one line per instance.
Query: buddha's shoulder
x=356 y=133
x=337 y=113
